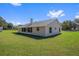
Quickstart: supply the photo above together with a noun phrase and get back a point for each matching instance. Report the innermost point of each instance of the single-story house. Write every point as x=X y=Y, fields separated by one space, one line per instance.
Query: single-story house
x=43 y=28
x=1 y=28
x=76 y=27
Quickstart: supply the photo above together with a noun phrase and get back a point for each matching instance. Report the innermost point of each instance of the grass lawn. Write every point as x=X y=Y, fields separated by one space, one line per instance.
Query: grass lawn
x=11 y=43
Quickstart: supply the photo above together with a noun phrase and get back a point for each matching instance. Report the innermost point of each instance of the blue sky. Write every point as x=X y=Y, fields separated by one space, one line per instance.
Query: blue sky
x=19 y=13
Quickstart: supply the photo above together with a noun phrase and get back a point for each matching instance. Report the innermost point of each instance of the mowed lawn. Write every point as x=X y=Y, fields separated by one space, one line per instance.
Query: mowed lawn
x=14 y=44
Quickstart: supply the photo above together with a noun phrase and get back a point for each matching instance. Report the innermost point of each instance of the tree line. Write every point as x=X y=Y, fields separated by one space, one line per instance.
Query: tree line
x=5 y=24
x=66 y=25
x=70 y=25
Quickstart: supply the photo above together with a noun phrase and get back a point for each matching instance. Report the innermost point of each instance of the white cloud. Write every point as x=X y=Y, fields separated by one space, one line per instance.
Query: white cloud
x=16 y=23
x=77 y=16
x=56 y=13
x=16 y=4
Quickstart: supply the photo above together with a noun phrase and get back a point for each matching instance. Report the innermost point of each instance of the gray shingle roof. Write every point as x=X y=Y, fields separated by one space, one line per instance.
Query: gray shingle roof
x=77 y=23
x=41 y=23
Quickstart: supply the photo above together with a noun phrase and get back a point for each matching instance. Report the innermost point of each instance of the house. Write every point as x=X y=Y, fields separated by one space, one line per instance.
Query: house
x=1 y=28
x=76 y=26
x=43 y=28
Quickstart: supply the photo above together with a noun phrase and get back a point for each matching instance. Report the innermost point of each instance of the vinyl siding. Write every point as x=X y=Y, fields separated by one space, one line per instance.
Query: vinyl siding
x=53 y=25
x=41 y=31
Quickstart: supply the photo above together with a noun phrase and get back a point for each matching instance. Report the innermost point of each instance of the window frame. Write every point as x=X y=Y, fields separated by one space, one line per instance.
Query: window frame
x=23 y=29
x=29 y=29
x=37 y=29
x=50 y=29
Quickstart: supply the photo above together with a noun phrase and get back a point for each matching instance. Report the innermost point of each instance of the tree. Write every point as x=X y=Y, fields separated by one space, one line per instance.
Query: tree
x=3 y=23
x=9 y=26
x=67 y=25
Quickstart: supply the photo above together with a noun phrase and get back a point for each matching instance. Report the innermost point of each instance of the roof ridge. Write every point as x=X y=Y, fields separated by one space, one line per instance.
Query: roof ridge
x=40 y=23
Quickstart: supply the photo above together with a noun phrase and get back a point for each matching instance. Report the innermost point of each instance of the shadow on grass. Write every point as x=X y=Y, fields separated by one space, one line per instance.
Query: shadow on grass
x=34 y=36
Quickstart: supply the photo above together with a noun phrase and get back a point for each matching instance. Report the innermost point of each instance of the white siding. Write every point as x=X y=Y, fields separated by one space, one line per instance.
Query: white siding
x=1 y=28
x=44 y=30
x=54 y=31
x=41 y=31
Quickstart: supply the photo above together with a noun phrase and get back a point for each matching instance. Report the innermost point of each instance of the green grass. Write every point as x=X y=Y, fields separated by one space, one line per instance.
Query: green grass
x=11 y=43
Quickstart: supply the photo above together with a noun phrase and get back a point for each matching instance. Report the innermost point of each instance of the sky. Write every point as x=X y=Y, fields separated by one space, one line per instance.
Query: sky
x=20 y=13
